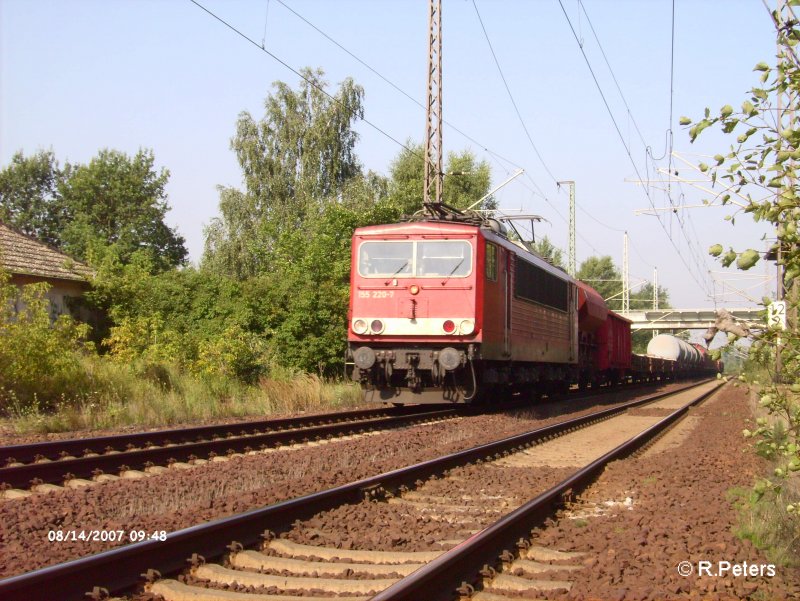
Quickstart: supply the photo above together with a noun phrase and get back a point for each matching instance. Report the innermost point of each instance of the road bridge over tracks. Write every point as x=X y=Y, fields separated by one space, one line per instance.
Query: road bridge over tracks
x=689 y=319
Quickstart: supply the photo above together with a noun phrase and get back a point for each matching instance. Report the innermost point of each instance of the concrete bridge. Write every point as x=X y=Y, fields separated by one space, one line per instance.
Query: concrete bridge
x=688 y=319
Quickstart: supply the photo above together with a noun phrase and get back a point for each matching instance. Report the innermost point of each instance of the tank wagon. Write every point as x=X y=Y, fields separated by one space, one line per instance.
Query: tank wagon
x=445 y=310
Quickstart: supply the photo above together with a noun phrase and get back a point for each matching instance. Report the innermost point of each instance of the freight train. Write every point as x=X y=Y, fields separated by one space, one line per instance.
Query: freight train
x=454 y=309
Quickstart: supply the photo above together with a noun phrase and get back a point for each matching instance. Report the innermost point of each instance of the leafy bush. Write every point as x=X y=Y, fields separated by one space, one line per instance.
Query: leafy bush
x=143 y=337
x=236 y=353
x=40 y=360
x=776 y=433
x=197 y=320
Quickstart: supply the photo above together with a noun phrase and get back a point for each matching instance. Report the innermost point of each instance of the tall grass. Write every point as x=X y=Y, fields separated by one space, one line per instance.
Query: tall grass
x=52 y=380
x=764 y=521
x=155 y=395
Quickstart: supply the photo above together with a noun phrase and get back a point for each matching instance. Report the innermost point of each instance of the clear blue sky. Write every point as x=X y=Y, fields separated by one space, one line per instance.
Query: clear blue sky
x=78 y=76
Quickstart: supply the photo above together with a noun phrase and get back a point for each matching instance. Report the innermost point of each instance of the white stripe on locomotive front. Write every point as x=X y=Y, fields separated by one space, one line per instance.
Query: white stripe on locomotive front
x=421 y=326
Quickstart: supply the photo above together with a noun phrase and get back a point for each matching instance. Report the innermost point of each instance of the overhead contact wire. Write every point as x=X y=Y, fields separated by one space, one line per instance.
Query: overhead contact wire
x=627 y=150
x=613 y=75
x=296 y=72
x=392 y=84
x=538 y=190
x=510 y=95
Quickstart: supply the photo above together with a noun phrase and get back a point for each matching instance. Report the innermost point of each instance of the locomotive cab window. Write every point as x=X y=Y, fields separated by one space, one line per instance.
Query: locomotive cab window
x=417 y=258
x=447 y=258
x=386 y=259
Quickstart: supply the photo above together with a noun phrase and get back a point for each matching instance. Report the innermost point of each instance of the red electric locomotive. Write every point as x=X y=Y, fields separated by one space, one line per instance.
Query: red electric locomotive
x=441 y=310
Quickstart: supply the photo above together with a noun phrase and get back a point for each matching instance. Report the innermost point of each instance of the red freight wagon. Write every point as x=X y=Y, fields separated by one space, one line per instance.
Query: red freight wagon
x=592 y=314
x=605 y=340
x=614 y=348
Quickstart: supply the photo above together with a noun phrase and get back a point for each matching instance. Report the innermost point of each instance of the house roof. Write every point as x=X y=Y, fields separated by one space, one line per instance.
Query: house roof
x=22 y=254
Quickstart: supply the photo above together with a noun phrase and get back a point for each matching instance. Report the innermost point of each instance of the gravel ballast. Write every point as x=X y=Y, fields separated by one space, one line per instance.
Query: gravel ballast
x=182 y=498
x=646 y=515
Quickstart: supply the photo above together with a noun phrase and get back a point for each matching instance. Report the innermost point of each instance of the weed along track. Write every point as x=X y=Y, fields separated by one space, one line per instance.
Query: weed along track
x=381 y=532
x=48 y=466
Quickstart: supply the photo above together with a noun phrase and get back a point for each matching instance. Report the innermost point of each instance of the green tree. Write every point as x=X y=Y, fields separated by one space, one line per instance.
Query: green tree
x=198 y=320
x=297 y=158
x=29 y=196
x=759 y=174
x=605 y=277
x=308 y=296
x=643 y=297
x=120 y=201
x=115 y=200
x=602 y=275
x=466 y=180
x=546 y=249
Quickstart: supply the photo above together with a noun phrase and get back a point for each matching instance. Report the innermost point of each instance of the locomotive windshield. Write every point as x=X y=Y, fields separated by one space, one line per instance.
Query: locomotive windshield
x=417 y=258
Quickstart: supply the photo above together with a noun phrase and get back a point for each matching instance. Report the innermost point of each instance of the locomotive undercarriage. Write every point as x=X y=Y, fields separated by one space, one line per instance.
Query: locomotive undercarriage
x=450 y=374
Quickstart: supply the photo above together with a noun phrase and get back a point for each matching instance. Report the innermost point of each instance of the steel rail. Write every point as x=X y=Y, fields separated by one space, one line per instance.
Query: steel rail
x=244 y=438
x=439 y=579
x=122 y=568
x=26 y=453
x=56 y=449
x=22 y=476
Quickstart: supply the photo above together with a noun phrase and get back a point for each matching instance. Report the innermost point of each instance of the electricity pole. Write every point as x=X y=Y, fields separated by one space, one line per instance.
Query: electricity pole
x=655 y=288
x=655 y=295
x=572 y=267
x=626 y=281
x=432 y=192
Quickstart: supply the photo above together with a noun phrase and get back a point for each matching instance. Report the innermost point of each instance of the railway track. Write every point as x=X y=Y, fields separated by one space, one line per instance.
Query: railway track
x=73 y=463
x=256 y=560
x=81 y=462
x=496 y=563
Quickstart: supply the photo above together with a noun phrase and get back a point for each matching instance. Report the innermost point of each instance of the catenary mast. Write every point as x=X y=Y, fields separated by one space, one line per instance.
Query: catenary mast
x=432 y=193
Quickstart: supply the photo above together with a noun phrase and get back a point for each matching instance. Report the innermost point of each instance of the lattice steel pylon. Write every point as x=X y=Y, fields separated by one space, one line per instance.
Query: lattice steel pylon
x=432 y=192
x=572 y=265
x=655 y=288
x=626 y=278
x=655 y=295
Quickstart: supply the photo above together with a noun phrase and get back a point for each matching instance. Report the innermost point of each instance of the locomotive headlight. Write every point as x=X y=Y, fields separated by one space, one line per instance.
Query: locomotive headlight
x=376 y=326
x=467 y=326
x=359 y=326
x=414 y=289
x=449 y=327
